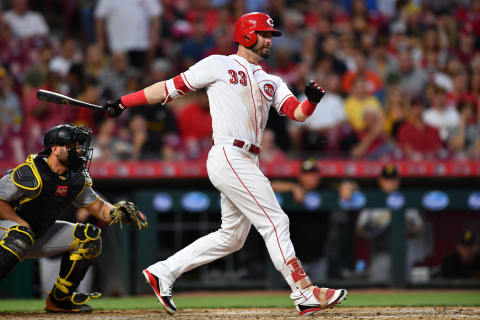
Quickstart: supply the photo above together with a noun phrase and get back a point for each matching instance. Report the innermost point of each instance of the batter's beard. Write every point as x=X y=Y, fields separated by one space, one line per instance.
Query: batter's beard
x=259 y=52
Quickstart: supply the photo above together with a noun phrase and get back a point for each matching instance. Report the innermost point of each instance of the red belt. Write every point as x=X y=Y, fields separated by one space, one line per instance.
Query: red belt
x=253 y=148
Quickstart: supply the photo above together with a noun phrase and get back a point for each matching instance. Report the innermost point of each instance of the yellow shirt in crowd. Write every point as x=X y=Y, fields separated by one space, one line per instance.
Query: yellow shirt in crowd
x=355 y=108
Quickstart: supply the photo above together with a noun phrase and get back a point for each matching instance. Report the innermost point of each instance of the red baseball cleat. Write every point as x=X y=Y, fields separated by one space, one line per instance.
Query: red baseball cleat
x=162 y=289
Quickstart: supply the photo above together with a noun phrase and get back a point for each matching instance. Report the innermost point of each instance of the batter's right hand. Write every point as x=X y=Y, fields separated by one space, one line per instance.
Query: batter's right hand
x=113 y=108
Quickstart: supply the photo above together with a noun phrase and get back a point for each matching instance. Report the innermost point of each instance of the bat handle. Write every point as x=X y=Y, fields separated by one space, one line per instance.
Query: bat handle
x=110 y=111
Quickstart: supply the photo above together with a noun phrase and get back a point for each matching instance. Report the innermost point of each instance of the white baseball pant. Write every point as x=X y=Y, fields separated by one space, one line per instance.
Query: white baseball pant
x=246 y=198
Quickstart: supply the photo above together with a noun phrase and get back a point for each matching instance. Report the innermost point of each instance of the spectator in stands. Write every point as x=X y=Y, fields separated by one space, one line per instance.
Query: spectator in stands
x=412 y=79
x=329 y=49
x=433 y=45
x=374 y=224
x=113 y=80
x=360 y=17
x=40 y=115
x=202 y=10
x=397 y=106
x=68 y=55
x=10 y=108
x=381 y=62
x=196 y=46
x=440 y=115
x=464 y=262
x=90 y=94
x=460 y=86
x=24 y=23
x=474 y=82
x=292 y=21
x=161 y=69
x=421 y=41
x=271 y=153
x=129 y=26
x=162 y=140
x=417 y=139
x=373 y=83
x=372 y=140
x=358 y=102
x=75 y=80
x=110 y=146
x=38 y=72
x=139 y=135
x=11 y=117
x=223 y=43
x=466 y=49
x=195 y=126
x=466 y=140
x=309 y=47
x=320 y=131
x=285 y=67
x=347 y=49
x=95 y=61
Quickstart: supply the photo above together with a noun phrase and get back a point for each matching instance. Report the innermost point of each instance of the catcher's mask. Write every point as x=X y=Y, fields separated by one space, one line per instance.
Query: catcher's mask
x=77 y=139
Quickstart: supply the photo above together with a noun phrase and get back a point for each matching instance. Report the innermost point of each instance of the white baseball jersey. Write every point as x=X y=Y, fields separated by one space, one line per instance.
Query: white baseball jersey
x=240 y=95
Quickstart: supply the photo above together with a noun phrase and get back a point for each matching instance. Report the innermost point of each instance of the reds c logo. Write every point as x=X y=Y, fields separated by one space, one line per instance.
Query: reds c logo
x=269 y=90
x=270 y=22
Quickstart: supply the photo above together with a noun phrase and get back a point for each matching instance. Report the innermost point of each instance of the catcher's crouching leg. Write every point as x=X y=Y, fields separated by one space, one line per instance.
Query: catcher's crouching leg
x=86 y=247
x=14 y=247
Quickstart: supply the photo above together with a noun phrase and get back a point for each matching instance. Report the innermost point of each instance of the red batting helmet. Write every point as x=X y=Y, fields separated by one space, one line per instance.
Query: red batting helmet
x=247 y=24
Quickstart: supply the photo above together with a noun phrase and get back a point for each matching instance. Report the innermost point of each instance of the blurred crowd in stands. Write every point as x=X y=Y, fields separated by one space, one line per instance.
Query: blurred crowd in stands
x=402 y=76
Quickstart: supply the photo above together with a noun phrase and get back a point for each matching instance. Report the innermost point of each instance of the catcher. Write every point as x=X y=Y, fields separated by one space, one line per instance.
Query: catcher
x=33 y=196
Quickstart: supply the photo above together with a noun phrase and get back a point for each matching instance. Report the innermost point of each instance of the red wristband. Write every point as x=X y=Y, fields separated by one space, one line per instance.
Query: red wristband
x=308 y=107
x=134 y=99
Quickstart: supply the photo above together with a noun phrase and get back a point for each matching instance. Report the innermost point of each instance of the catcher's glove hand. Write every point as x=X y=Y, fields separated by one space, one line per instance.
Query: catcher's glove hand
x=127 y=212
x=113 y=108
x=314 y=92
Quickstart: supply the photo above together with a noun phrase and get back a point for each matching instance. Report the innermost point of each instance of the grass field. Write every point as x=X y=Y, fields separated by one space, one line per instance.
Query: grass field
x=239 y=300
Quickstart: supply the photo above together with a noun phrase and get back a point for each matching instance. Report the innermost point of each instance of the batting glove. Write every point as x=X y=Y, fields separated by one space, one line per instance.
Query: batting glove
x=113 y=108
x=314 y=92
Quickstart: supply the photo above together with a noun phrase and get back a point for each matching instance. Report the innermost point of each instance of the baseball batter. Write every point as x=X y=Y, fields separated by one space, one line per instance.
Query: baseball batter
x=33 y=196
x=240 y=94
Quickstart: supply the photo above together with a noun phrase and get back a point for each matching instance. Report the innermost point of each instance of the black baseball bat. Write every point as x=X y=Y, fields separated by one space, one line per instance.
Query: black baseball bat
x=54 y=97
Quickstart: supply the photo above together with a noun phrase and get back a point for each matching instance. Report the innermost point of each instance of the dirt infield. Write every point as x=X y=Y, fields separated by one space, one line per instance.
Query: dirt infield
x=410 y=313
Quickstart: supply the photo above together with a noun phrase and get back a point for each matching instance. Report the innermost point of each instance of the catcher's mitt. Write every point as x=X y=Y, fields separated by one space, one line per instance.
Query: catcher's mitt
x=127 y=212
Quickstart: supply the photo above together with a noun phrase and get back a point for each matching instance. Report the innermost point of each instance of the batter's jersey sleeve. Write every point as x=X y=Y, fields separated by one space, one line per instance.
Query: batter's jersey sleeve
x=282 y=93
x=10 y=192
x=87 y=197
x=201 y=74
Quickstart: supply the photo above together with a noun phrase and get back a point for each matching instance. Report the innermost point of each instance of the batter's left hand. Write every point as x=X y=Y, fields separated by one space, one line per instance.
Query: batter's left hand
x=113 y=108
x=314 y=92
x=127 y=212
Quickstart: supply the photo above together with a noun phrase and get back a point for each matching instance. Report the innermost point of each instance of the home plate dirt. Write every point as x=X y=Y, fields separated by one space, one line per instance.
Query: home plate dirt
x=380 y=313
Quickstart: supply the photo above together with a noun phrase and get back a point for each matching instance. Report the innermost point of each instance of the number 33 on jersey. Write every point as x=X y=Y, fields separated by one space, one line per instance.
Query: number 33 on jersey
x=234 y=86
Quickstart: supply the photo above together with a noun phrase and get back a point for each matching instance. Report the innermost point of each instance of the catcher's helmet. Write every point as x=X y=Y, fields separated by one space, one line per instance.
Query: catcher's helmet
x=78 y=141
x=249 y=23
